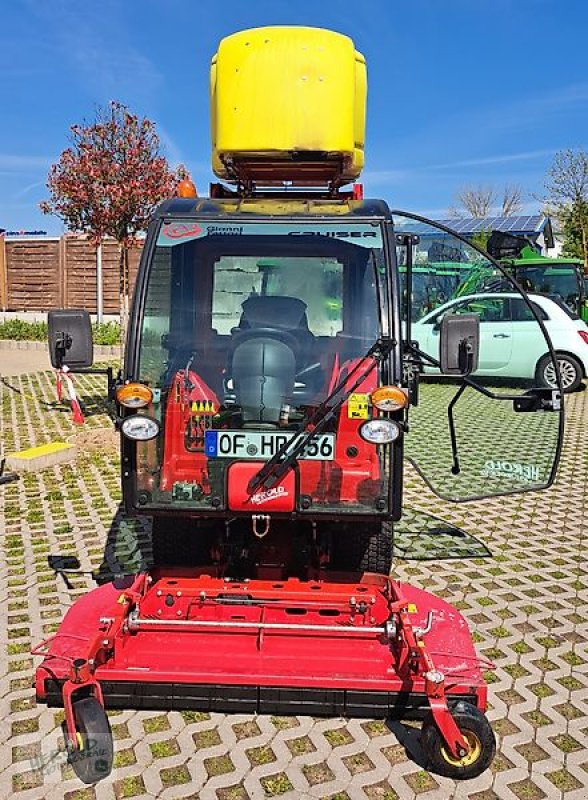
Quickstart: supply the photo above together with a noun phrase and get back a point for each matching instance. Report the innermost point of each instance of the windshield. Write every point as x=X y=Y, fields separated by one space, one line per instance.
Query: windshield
x=560 y=283
x=246 y=328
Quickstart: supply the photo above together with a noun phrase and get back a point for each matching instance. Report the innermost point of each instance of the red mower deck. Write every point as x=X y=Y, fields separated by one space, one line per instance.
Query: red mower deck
x=186 y=639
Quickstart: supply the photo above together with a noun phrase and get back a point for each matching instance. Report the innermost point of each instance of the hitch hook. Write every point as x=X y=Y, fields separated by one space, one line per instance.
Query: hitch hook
x=258 y=520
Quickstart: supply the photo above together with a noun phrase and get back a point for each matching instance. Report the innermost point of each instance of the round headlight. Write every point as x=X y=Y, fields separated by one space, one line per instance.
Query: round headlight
x=380 y=431
x=140 y=428
x=134 y=395
x=389 y=398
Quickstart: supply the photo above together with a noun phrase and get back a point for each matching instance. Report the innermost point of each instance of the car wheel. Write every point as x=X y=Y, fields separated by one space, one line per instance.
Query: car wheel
x=570 y=370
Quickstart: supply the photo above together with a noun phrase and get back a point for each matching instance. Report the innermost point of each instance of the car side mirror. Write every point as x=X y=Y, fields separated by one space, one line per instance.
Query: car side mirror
x=70 y=338
x=459 y=344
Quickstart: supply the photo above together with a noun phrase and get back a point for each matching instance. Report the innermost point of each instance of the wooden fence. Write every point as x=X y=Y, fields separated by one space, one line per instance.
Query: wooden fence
x=42 y=274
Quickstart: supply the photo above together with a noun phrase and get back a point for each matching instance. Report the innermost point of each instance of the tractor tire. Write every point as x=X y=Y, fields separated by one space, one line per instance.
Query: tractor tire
x=360 y=548
x=179 y=542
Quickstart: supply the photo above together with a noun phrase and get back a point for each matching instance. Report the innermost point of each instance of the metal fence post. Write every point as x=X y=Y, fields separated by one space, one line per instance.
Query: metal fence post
x=99 y=282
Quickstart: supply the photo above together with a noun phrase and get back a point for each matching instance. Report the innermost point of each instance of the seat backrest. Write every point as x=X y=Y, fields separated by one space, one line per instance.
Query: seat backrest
x=287 y=314
x=274 y=311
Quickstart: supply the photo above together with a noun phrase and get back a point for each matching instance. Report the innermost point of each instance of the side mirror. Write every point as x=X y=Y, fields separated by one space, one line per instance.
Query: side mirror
x=70 y=338
x=459 y=344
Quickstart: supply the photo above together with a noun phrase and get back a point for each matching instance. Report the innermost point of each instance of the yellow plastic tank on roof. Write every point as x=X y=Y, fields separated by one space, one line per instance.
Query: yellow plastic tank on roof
x=288 y=103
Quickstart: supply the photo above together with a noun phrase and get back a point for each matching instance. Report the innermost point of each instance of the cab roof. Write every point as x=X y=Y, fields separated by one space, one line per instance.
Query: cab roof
x=183 y=207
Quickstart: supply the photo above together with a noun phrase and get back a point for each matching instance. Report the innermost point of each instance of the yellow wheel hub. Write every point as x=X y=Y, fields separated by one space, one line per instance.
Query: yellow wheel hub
x=80 y=740
x=473 y=754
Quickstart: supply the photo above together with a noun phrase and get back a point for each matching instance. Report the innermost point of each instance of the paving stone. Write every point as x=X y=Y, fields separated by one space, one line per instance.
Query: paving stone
x=526 y=605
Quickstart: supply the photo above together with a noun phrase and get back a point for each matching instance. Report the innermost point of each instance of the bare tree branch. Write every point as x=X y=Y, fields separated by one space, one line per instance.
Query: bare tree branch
x=477 y=200
x=512 y=200
x=567 y=179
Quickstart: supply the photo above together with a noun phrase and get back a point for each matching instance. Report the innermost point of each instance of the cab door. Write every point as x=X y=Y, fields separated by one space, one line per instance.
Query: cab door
x=494 y=432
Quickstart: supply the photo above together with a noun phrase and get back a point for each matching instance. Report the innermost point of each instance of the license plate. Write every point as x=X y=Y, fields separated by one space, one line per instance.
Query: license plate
x=262 y=445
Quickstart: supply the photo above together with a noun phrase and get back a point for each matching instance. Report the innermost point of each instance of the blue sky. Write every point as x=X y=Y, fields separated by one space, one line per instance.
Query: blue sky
x=460 y=91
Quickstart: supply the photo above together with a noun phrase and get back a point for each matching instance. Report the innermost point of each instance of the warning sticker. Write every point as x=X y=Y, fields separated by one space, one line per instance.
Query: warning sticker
x=358 y=406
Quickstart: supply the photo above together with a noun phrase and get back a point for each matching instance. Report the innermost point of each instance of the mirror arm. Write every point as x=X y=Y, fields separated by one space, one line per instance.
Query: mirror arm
x=108 y=371
x=467 y=380
x=455 y=468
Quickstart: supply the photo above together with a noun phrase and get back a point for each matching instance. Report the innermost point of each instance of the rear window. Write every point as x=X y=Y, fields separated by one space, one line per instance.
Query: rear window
x=564 y=306
x=522 y=313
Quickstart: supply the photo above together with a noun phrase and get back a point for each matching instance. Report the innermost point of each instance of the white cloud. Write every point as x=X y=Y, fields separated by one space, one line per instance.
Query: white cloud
x=489 y=160
x=11 y=163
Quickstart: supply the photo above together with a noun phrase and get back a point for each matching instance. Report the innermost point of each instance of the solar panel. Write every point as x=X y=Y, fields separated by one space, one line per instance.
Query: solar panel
x=530 y=223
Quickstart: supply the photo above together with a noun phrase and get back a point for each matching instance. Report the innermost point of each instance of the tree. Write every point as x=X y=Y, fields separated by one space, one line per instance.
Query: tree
x=109 y=182
x=567 y=199
x=478 y=201
x=574 y=231
x=512 y=200
x=475 y=201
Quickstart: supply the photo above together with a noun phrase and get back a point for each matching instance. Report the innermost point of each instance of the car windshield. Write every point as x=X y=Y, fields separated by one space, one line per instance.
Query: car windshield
x=246 y=328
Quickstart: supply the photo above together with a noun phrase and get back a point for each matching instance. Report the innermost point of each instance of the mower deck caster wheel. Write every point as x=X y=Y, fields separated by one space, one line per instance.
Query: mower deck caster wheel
x=92 y=759
x=479 y=735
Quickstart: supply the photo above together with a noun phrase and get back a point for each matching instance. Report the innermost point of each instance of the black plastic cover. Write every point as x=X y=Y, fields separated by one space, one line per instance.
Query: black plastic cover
x=459 y=345
x=70 y=338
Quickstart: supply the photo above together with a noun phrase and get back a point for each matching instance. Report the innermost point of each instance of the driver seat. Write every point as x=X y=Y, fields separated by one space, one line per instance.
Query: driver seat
x=270 y=348
x=275 y=314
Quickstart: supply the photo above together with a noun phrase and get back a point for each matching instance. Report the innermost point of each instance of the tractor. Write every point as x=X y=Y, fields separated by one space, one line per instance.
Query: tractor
x=269 y=405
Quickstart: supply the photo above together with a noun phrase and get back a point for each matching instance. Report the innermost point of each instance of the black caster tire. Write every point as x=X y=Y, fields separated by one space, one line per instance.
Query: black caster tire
x=478 y=732
x=92 y=761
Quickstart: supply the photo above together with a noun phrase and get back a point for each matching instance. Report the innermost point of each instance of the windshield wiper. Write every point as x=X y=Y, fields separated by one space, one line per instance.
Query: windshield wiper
x=274 y=470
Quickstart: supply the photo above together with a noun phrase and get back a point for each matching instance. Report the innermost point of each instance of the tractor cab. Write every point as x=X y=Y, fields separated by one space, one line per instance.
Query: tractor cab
x=266 y=342
x=247 y=324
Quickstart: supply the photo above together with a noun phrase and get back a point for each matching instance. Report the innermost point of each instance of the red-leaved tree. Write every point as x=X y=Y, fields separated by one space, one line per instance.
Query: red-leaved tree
x=109 y=182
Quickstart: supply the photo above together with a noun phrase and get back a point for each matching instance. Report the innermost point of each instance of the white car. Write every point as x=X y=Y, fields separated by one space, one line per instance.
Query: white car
x=511 y=343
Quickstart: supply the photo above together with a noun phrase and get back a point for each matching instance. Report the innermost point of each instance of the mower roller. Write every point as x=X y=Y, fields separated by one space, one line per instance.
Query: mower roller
x=263 y=408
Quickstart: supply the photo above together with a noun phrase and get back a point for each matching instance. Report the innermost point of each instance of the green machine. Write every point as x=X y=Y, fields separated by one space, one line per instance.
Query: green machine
x=559 y=277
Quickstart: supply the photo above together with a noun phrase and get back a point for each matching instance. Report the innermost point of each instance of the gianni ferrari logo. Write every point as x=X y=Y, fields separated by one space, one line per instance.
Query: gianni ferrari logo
x=179 y=230
x=259 y=498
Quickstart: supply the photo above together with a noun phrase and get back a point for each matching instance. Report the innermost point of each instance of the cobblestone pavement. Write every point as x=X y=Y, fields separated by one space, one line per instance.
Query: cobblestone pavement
x=526 y=607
